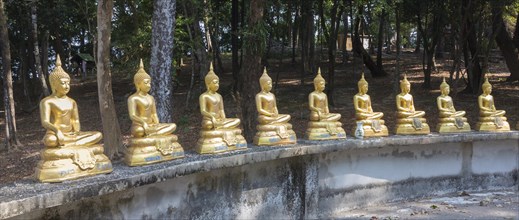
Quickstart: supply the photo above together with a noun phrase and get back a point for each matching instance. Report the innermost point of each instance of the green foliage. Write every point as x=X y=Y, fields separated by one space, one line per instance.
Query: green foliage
x=255 y=38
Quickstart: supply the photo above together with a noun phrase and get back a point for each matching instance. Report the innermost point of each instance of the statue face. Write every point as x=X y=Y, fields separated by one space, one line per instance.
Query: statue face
x=267 y=86
x=62 y=87
x=144 y=85
x=214 y=85
x=487 y=90
x=446 y=91
x=364 y=89
x=320 y=86
x=406 y=88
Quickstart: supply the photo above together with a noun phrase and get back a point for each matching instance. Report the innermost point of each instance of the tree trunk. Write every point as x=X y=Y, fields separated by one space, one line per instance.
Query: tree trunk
x=380 y=39
x=11 y=139
x=470 y=49
x=344 y=50
x=251 y=69
x=505 y=42
x=418 y=42
x=111 y=130
x=163 y=27
x=358 y=47
x=332 y=48
x=45 y=53
x=295 y=35
x=200 y=53
x=37 y=58
x=235 y=43
x=516 y=33
x=398 y=50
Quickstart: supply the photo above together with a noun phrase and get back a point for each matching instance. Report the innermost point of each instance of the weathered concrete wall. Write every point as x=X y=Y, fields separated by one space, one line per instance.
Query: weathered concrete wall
x=350 y=180
x=263 y=190
x=309 y=180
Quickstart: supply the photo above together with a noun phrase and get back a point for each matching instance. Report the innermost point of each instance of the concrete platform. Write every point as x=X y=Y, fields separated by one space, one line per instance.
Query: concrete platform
x=313 y=179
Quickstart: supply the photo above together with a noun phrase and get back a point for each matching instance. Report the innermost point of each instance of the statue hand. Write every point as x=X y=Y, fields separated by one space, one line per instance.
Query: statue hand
x=61 y=137
x=145 y=127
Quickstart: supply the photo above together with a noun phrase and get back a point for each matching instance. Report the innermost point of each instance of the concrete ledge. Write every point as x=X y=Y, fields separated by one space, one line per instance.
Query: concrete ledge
x=27 y=196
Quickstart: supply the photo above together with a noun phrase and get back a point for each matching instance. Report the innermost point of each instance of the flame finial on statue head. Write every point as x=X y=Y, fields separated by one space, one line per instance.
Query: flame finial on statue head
x=486 y=84
x=264 y=77
x=319 y=77
x=362 y=81
x=211 y=75
x=405 y=81
x=444 y=84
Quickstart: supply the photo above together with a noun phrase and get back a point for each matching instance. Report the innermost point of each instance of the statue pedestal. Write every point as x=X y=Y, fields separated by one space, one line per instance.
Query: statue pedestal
x=453 y=125
x=277 y=134
x=72 y=162
x=370 y=130
x=154 y=149
x=325 y=131
x=412 y=126
x=219 y=141
x=495 y=124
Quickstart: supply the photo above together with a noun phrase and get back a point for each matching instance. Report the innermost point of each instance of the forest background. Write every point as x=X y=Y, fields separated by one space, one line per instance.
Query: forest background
x=462 y=40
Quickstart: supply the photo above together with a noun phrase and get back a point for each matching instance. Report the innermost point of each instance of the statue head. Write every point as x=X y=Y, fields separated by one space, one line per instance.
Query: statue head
x=362 y=84
x=59 y=79
x=319 y=82
x=265 y=81
x=212 y=82
x=487 y=87
x=405 y=85
x=141 y=79
x=444 y=87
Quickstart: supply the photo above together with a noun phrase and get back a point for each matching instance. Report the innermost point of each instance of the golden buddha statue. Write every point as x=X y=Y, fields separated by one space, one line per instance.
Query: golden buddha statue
x=451 y=121
x=409 y=121
x=372 y=123
x=219 y=133
x=490 y=119
x=323 y=125
x=273 y=128
x=151 y=141
x=69 y=152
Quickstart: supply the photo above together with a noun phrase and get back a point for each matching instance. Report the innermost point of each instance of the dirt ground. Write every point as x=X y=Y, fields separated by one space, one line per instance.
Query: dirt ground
x=460 y=205
x=292 y=99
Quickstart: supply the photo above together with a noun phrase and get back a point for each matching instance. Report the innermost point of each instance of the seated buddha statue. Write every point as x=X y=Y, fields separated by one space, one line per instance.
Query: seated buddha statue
x=323 y=125
x=219 y=133
x=372 y=123
x=409 y=121
x=450 y=119
x=273 y=128
x=69 y=152
x=490 y=119
x=151 y=141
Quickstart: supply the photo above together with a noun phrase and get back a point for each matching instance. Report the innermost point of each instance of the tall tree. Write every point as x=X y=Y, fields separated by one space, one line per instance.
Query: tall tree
x=11 y=140
x=358 y=47
x=163 y=27
x=251 y=69
x=471 y=52
x=37 y=58
x=380 y=40
x=307 y=34
x=200 y=56
x=111 y=130
x=234 y=43
x=330 y=34
x=505 y=42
